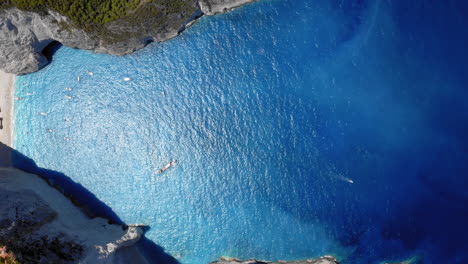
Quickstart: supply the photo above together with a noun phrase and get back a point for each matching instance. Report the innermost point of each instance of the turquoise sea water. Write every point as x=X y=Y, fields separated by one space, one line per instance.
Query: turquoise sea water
x=301 y=128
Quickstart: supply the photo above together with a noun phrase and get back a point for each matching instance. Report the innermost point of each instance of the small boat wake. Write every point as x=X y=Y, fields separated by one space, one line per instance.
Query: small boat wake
x=343 y=178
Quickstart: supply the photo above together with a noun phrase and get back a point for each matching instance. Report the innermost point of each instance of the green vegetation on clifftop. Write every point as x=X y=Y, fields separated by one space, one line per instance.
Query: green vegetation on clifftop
x=82 y=13
x=95 y=16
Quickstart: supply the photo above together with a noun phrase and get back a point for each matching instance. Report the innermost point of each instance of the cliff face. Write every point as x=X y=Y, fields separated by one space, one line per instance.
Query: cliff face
x=23 y=35
x=39 y=225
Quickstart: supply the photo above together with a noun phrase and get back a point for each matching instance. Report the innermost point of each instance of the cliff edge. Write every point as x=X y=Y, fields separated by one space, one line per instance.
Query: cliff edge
x=39 y=225
x=26 y=29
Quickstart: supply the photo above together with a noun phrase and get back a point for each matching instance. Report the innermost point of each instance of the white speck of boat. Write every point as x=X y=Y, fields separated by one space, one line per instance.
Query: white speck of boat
x=90 y=73
x=343 y=178
x=68 y=89
x=43 y=113
x=68 y=97
x=29 y=93
x=78 y=78
x=169 y=165
x=67 y=139
x=126 y=79
x=18 y=98
x=49 y=130
x=163 y=94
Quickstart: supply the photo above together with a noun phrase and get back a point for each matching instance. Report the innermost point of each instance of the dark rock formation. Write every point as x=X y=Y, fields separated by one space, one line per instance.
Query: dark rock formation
x=39 y=225
x=23 y=35
x=20 y=219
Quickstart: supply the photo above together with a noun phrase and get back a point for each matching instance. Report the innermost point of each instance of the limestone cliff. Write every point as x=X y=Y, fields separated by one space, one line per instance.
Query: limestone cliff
x=24 y=35
x=213 y=7
x=39 y=225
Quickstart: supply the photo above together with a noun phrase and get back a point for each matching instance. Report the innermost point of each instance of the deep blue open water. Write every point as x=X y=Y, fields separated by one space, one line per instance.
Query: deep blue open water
x=301 y=128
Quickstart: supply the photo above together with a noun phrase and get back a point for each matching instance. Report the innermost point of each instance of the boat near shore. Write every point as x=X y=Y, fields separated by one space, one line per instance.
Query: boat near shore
x=169 y=165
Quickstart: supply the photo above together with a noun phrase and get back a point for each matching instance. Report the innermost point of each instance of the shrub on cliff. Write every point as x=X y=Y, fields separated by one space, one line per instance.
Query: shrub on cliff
x=82 y=13
x=91 y=15
x=7 y=257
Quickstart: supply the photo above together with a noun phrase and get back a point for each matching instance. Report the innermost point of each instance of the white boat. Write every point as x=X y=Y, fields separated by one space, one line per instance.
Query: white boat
x=170 y=164
x=29 y=93
x=49 y=130
x=43 y=113
x=68 y=89
x=343 y=178
x=68 y=97
x=78 y=78
x=90 y=73
x=126 y=79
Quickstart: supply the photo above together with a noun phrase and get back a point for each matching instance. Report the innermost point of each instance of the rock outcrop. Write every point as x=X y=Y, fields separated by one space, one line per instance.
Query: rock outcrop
x=39 y=225
x=213 y=7
x=24 y=35
x=322 y=260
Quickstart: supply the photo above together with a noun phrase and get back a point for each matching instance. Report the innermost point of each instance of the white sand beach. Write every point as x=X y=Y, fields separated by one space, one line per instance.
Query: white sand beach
x=7 y=87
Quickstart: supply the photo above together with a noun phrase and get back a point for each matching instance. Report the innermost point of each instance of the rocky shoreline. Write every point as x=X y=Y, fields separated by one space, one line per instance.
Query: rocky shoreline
x=213 y=7
x=24 y=35
x=322 y=260
x=40 y=225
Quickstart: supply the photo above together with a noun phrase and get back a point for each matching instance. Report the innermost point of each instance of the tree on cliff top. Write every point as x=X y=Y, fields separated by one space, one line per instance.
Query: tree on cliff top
x=83 y=13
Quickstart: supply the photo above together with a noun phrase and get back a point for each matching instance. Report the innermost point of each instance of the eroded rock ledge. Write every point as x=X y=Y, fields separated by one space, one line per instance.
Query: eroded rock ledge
x=39 y=225
x=322 y=260
x=213 y=7
x=24 y=35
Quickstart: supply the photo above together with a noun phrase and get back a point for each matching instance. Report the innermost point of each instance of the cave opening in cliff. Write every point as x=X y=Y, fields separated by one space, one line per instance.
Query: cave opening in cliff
x=148 y=40
x=50 y=49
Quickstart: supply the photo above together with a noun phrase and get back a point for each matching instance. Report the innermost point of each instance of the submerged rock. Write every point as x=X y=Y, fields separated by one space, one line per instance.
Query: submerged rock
x=24 y=35
x=39 y=225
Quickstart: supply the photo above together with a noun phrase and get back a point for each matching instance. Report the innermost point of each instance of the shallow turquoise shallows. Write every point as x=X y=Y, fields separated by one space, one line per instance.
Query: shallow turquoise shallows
x=300 y=128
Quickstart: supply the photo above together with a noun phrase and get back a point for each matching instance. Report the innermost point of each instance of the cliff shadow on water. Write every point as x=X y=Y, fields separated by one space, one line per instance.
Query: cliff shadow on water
x=82 y=198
